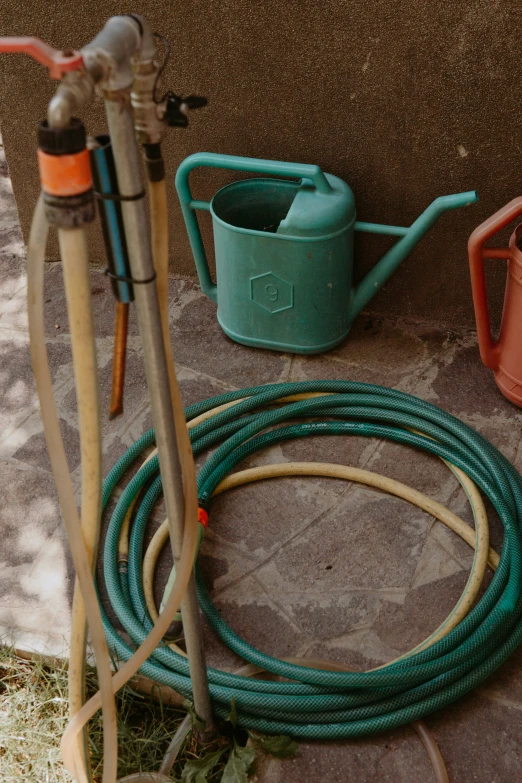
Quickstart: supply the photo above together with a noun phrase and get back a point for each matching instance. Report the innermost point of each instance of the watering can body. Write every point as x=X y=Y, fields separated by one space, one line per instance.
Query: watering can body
x=284 y=252
x=503 y=356
x=284 y=289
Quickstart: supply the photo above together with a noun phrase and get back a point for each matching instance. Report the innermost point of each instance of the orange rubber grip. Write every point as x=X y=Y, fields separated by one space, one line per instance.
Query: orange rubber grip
x=65 y=175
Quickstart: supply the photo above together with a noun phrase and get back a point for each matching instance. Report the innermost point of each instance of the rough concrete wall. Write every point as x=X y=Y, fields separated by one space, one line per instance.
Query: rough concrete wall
x=405 y=100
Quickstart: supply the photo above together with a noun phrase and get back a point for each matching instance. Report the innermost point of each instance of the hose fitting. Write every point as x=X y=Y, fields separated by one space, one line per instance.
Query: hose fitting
x=154 y=162
x=65 y=174
x=148 y=114
x=74 y=91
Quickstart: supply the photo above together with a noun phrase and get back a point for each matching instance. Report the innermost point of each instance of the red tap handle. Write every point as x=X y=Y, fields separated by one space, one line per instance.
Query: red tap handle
x=58 y=62
x=477 y=253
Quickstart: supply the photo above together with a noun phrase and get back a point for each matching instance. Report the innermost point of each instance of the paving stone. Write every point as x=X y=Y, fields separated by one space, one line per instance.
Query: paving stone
x=365 y=543
x=258 y=517
x=404 y=625
x=34 y=450
x=135 y=391
x=122 y=432
x=17 y=385
x=16 y=382
x=30 y=513
x=14 y=312
x=446 y=541
x=219 y=656
x=436 y=563
x=376 y=351
x=414 y=468
x=102 y=303
x=459 y=505
x=12 y=262
x=453 y=544
x=196 y=387
x=339 y=449
x=12 y=250
x=362 y=648
x=327 y=617
x=396 y=757
x=251 y=614
x=222 y=564
x=9 y=211
x=464 y=386
x=505 y=685
x=36 y=575
x=479 y=741
x=200 y=343
x=354 y=650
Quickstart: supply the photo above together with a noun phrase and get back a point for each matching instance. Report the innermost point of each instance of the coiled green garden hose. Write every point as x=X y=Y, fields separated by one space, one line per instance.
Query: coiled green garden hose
x=318 y=704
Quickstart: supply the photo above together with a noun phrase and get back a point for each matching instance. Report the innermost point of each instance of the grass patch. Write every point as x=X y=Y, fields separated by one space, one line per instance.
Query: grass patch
x=34 y=714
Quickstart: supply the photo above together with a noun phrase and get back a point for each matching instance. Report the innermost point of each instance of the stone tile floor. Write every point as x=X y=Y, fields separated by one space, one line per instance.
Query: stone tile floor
x=297 y=566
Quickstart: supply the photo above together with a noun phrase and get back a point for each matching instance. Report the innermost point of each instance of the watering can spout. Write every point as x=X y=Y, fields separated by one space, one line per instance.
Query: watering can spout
x=388 y=264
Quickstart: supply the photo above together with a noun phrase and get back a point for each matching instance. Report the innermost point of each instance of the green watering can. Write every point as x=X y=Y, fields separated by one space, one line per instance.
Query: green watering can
x=284 y=252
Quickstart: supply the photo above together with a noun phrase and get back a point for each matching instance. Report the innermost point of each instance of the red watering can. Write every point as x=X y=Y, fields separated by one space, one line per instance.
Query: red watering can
x=504 y=356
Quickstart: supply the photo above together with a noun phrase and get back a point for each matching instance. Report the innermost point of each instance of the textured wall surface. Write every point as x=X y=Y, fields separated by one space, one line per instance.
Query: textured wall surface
x=405 y=100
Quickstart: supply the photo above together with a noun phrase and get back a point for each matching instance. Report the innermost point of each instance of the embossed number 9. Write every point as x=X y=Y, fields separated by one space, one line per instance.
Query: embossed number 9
x=272 y=292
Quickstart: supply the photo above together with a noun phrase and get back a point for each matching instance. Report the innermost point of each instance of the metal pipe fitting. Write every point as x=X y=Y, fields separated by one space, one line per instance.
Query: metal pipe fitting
x=106 y=58
x=148 y=115
x=74 y=91
x=148 y=42
x=113 y=49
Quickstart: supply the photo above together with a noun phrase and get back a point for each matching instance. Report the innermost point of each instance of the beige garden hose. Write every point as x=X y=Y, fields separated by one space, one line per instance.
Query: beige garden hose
x=74 y=247
x=79 y=309
x=160 y=248
x=75 y=259
x=479 y=539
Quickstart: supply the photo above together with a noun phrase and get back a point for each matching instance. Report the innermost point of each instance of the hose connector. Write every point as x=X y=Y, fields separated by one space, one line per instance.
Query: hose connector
x=148 y=114
x=74 y=91
x=65 y=174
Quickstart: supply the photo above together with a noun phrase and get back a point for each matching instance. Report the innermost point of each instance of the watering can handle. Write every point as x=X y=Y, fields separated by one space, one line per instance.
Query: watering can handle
x=489 y=351
x=233 y=163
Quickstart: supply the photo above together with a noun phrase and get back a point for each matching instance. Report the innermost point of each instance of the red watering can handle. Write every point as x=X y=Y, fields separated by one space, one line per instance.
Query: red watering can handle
x=58 y=62
x=489 y=352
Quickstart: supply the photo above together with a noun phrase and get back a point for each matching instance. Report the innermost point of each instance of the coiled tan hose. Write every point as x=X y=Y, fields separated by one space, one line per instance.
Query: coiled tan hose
x=479 y=540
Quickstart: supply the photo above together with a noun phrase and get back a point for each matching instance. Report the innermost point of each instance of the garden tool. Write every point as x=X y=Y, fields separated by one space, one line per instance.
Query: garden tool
x=284 y=252
x=504 y=355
